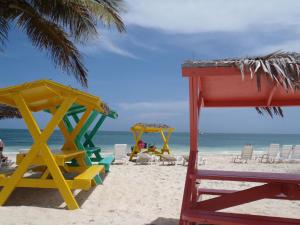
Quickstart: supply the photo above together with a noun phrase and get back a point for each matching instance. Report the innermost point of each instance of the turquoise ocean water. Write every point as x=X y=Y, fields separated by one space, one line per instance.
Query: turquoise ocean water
x=16 y=139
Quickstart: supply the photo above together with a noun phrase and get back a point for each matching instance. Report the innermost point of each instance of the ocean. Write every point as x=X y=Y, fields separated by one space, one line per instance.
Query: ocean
x=17 y=139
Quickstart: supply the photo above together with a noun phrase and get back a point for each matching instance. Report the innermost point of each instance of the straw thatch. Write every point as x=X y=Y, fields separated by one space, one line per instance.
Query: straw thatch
x=155 y=125
x=8 y=112
x=280 y=66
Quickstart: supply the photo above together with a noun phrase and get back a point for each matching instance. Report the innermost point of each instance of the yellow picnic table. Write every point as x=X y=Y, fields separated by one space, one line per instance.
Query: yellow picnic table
x=55 y=173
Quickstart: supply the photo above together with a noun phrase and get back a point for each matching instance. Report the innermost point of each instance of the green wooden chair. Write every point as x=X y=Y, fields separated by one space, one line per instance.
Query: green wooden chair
x=84 y=139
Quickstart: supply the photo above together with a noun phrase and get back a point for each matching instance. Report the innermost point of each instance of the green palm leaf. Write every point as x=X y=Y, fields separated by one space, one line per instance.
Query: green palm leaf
x=46 y=35
x=52 y=25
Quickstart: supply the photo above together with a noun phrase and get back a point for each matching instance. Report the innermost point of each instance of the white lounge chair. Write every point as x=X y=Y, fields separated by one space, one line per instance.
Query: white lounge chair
x=6 y=163
x=245 y=155
x=120 y=151
x=295 y=155
x=285 y=153
x=185 y=160
x=169 y=159
x=271 y=154
x=144 y=158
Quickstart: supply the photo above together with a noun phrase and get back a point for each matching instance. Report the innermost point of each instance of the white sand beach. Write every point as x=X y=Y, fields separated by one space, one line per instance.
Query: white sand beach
x=137 y=194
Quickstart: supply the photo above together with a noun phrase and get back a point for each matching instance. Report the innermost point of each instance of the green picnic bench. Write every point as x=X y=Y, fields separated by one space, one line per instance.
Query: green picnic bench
x=84 y=139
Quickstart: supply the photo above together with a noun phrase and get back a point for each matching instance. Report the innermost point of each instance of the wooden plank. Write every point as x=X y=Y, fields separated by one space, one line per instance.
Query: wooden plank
x=90 y=172
x=240 y=197
x=247 y=176
x=208 y=191
x=47 y=183
x=93 y=149
x=223 y=218
x=60 y=157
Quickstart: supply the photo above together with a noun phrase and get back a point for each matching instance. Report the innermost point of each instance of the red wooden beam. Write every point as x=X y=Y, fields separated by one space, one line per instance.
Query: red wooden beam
x=292 y=195
x=212 y=71
x=239 y=197
x=222 y=218
x=247 y=176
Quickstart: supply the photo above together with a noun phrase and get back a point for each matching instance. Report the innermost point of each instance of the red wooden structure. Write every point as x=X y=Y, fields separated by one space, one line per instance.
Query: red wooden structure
x=223 y=86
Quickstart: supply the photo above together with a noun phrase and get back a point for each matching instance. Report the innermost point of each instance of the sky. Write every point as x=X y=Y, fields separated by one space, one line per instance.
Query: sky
x=138 y=73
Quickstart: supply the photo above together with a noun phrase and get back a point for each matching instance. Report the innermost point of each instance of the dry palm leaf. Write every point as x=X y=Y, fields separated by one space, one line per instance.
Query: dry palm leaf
x=8 y=112
x=281 y=67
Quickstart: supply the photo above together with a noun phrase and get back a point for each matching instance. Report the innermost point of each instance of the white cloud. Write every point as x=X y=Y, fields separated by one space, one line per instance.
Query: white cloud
x=106 y=44
x=193 y=16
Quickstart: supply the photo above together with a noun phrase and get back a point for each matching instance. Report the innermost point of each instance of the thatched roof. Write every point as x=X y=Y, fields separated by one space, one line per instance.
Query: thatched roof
x=154 y=125
x=8 y=112
x=280 y=67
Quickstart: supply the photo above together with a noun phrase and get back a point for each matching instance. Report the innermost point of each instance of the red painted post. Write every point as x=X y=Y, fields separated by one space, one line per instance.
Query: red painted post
x=192 y=166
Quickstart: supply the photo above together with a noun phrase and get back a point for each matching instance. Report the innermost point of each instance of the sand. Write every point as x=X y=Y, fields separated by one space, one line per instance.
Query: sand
x=137 y=194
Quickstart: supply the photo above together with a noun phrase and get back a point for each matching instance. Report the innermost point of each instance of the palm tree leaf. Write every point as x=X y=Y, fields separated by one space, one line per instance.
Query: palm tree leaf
x=8 y=112
x=47 y=35
x=70 y=14
x=282 y=67
x=4 y=26
x=107 y=11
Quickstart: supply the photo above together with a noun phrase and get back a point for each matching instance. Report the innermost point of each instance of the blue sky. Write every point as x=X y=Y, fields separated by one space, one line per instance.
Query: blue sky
x=138 y=73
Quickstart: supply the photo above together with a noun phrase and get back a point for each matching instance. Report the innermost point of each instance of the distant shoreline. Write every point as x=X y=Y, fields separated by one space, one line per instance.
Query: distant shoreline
x=184 y=132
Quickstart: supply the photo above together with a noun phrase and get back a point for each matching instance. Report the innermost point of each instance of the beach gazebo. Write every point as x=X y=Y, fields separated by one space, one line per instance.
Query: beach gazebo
x=139 y=129
x=266 y=83
x=53 y=165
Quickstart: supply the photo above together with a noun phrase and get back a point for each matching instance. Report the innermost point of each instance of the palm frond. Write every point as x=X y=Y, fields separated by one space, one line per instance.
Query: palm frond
x=107 y=11
x=8 y=112
x=4 y=26
x=271 y=111
x=46 y=35
x=281 y=67
x=70 y=14
x=51 y=25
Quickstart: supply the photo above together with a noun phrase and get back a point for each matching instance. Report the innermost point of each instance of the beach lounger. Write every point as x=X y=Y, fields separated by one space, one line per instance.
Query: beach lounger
x=295 y=155
x=7 y=163
x=271 y=154
x=144 y=158
x=245 y=155
x=185 y=160
x=285 y=153
x=120 y=151
x=169 y=159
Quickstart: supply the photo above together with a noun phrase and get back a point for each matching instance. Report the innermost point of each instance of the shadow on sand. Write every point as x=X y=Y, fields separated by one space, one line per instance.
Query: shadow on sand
x=44 y=198
x=164 y=221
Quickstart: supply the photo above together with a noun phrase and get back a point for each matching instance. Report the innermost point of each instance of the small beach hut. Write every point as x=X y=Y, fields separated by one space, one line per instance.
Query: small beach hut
x=141 y=128
x=84 y=139
x=53 y=164
x=266 y=83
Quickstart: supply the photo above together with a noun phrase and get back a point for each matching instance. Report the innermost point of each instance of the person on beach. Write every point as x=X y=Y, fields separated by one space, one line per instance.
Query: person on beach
x=2 y=157
x=140 y=145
